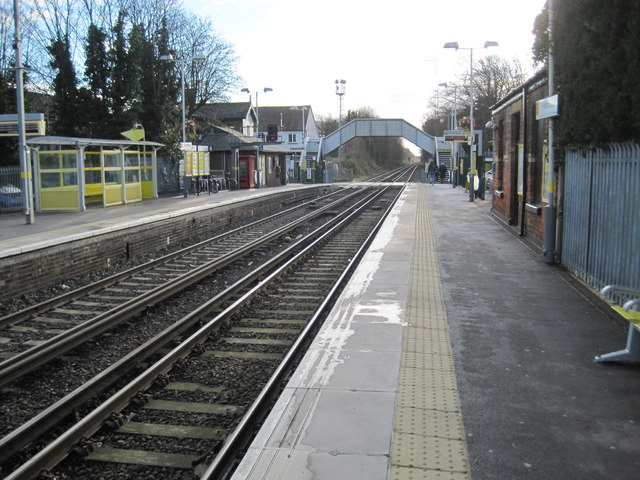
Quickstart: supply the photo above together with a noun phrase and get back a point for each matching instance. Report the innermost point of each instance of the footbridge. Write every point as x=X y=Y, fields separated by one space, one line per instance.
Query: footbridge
x=377 y=127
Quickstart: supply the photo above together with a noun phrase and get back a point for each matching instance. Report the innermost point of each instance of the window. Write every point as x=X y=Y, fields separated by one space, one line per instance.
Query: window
x=92 y=176
x=49 y=180
x=49 y=161
x=131 y=176
x=293 y=138
x=112 y=177
x=70 y=179
x=112 y=159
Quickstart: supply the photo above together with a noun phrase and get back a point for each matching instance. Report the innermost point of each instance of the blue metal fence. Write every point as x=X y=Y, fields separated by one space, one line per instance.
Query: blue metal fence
x=601 y=216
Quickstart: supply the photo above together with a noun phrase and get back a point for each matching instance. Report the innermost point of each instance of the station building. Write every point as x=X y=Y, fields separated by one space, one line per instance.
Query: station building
x=520 y=158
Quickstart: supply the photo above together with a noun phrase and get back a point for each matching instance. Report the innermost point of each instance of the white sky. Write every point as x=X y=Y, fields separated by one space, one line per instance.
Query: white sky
x=390 y=52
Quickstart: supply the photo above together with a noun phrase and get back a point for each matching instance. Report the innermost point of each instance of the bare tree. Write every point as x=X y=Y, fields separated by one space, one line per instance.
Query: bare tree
x=493 y=78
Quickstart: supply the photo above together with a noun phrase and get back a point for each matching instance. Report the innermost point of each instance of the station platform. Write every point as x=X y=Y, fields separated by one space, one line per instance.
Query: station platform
x=455 y=353
x=51 y=228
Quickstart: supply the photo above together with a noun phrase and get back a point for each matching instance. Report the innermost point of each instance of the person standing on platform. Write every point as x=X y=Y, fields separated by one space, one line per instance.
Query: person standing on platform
x=431 y=172
x=442 y=171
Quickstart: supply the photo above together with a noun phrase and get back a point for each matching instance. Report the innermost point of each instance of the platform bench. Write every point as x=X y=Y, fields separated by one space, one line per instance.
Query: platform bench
x=631 y=353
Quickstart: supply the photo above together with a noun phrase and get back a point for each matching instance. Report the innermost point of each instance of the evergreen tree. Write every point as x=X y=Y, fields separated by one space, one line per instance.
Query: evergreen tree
x=597 y=63
x=119 y=61
x=65 y=102
x=95 y=97
x=139 y=61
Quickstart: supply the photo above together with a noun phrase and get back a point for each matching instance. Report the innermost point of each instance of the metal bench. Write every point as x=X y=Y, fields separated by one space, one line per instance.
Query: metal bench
x=631 y=353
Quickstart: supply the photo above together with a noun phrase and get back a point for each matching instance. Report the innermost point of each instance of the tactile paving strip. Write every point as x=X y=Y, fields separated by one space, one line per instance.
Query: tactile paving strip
x=428 y=438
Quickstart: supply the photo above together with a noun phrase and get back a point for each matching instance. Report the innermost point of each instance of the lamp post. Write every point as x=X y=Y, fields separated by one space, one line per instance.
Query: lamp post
x=454 y=145
x=25 y=167
x=453 y=117
x=340 y=86
x=265 y=90
x=472 y=150
x=169 y=58
x=549 y=245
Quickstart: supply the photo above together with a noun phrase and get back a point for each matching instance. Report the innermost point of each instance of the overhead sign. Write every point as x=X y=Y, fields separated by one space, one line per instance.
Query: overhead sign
x=547 y=107
x=456 y=137
x=34 y=125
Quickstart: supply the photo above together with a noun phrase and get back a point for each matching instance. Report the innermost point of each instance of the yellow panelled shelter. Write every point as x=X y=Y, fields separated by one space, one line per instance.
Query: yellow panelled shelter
x=70 y=172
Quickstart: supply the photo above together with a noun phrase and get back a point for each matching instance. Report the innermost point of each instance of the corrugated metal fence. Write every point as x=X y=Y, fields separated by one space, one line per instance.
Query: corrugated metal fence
x=601 y=225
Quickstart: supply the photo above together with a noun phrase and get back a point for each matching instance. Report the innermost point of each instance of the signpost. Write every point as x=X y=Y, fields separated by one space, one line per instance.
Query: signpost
x=547 y=107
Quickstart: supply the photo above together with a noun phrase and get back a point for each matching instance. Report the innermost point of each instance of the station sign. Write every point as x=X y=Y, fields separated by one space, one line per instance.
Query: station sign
x=456 y=137
x=34 y=125
x=197 y=164
x=547 y=107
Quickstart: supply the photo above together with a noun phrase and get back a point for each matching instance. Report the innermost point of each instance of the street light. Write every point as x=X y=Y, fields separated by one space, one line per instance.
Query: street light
x=25 y=167
x=265 y=90
x=340 y=86
x=454 y=146
x=453 y=117
x=169 y=58
x=473 y=153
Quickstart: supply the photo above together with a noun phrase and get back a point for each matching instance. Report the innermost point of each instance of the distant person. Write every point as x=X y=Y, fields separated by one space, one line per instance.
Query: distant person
x=431 y=172
x=443 y=172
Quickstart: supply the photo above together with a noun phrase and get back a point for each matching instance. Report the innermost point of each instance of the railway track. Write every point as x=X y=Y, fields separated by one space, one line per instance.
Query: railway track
x=43 y=384
x=401 y=174
x=171 y=419
x=38 y=334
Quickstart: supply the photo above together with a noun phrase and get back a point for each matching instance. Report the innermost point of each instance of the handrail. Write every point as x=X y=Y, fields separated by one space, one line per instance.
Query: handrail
x=619 y=288
x=631 y=292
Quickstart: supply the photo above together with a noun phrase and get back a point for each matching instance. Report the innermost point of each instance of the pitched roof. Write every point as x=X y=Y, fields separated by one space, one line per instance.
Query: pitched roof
x=222 y=139
x=284 y=117
x=224 y=111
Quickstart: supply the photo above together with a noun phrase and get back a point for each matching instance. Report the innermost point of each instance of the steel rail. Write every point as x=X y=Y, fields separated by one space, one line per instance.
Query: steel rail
x=53 y=453
x=27 y=361
x=105 y=282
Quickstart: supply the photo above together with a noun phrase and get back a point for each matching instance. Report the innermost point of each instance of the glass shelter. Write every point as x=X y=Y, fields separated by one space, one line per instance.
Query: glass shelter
x=70 y=173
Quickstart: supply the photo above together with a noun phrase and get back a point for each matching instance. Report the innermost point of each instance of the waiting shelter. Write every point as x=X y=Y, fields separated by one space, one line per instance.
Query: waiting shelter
x=70 y=173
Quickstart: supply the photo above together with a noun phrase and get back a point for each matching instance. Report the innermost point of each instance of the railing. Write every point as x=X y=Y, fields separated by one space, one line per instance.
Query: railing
x=601 y=215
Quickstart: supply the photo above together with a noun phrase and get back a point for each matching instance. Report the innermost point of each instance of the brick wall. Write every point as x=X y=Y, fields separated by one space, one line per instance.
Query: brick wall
x=516 y=127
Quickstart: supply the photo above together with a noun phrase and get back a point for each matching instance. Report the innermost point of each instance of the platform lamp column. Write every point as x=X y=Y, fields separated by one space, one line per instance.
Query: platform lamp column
x=25 y=167
x=265 y=90
x=169 y=58
x=472 y=143
x=340 y=86
x=453 y=170
x=549 y=245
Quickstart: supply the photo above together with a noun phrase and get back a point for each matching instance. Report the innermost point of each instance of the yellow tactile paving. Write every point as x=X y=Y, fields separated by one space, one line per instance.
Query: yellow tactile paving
x=428 y=438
